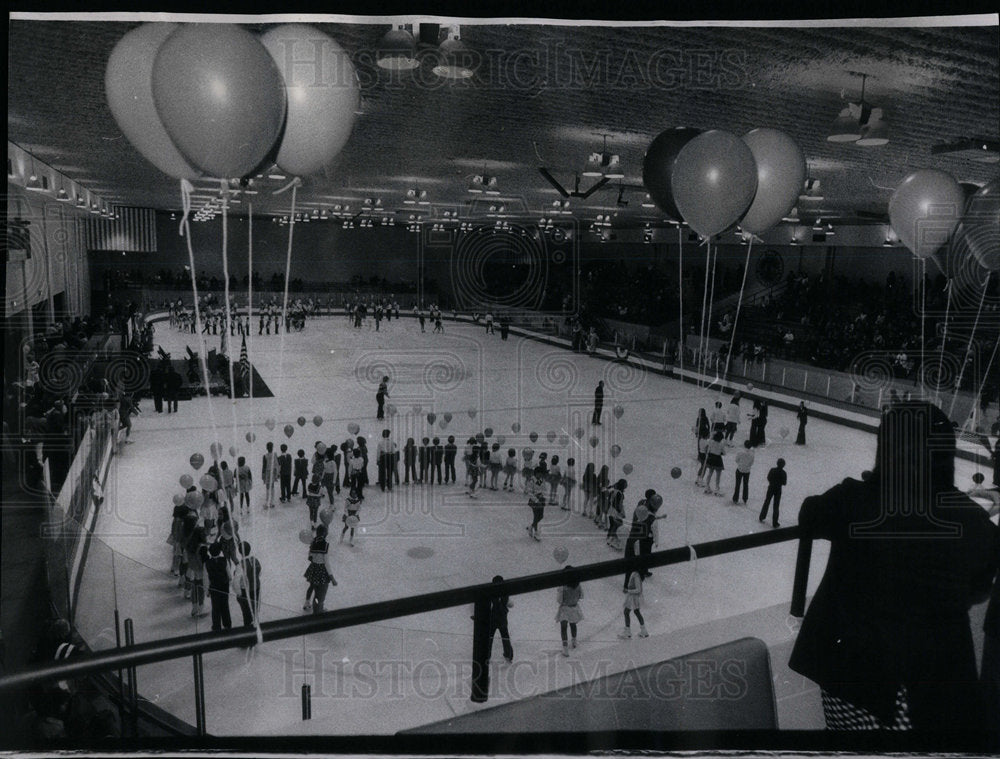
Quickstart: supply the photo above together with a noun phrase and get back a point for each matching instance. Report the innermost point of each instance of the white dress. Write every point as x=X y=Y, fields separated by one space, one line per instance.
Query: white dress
x=569 y=604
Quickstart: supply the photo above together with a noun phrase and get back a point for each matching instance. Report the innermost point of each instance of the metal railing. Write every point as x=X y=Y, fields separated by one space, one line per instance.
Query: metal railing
x=196 y=646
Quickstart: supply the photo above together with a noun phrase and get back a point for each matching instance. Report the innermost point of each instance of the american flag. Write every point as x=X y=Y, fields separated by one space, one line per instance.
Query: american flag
x=244 y=362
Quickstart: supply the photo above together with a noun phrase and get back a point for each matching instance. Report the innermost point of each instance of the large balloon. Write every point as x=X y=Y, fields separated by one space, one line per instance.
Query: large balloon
x=323 y=96
x=658 y=166
x=714 y=181
x=979 y=232
x=128 y=86
x=220 y=97
x=781 y=172
x=925 y=209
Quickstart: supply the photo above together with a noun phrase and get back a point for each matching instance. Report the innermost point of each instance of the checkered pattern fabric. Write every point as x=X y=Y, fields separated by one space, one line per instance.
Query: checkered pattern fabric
x=843 y=715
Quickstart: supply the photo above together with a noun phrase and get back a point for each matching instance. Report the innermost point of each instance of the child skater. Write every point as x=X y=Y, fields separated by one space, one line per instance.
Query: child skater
x=703 y=441
x=568 y=615
x=510 y=470
x=555 y=477
x=496 y=464
x=536 y=500
x=589 y=487
x=450 y=454
x=527 y=469
x=318 y=572
x=603 y=493
x=331 y=470
x=568 y=483
x=312 y=501
x=350 y=517
x=616 y=513
x=301 y=472
x=227 y=483
x=409 y=461
x=714 y=452
x=244 y=482
x=633 y=603
x=471 y=467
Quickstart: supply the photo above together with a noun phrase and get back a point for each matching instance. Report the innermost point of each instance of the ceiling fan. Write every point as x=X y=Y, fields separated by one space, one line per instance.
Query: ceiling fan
x=575 y=192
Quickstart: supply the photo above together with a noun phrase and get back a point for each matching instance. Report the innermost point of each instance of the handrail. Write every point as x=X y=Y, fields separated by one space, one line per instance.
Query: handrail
x=202 y=643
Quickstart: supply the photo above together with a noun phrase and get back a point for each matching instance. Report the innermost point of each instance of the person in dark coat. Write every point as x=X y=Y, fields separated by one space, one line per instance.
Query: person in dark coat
x=156 y=388
x=172 y=388
x=285 y=474
x=887 y=635
x=380 y=396
x=249 y=595
x=803 y=416
x=217 y=569
x=498 y=622
x=598 y=402
x=641 y=533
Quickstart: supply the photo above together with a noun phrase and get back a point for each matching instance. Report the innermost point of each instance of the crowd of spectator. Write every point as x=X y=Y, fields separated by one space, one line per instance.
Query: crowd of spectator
x=165 y=279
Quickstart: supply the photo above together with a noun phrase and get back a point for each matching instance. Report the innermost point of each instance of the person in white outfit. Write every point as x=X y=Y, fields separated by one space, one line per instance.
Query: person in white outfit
x=633 y=604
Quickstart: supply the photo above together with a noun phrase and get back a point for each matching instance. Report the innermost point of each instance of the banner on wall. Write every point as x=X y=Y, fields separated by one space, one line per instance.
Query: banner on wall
x=134 y=231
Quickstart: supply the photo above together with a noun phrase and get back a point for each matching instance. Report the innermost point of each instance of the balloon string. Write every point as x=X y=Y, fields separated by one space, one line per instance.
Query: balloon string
x=701 y=325
x=986 y=375
x=708 y=316
x=229 y=316
x=736 y=319
x=944 y=342
x=185 y=232
x=680 y=296
x=253 y=415
x=923 y=311
x=296 y=182
x=284 y=306
x=186 y=189
x=968 y=348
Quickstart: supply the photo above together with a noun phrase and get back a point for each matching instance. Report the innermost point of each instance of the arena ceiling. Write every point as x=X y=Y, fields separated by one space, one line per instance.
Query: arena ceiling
x=545 y=96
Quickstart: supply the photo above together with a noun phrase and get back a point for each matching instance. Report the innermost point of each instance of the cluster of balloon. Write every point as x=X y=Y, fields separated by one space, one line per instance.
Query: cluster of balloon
x=178 y=499
x=713 y=180
x=501 y=439
x=925 y=210
x=306 y=536
x=233 y=450
x=353 y=428
x=615 y=451
x=194 y=499
x=214 y=99
x=352 y=521
x=431 y=418
x=550 y=435
x=578 y=433
x=207 y=482
x=196 y=461
x=186 y=481
x=560 y=554
x=472 y=413
x=216 y=450
x=321 y=448
x=563 y=440
x=676 y=472
x=418 y=410
x=269 y=423
x=301 y=421
x=443 y=424
x=978 y=234
x=515 y=427
x=618 y=411
x=317 y=420
x=250 y=436
x=594 y=441
x=488 y=432
x=326 y=516
x=533 y=436
x=626 y=468
x=391 y=409
x=447 y=417
x=289 y=430
x=227 y=530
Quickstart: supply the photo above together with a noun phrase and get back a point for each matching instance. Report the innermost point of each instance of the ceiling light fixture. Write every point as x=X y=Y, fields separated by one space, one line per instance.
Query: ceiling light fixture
x=455 y=60
x=860 y=123
x=604 y=164
x=398 y=50
x=34 y=184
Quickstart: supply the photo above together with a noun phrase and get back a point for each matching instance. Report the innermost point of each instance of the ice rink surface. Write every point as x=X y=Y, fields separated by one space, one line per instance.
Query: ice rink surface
x=381 y=678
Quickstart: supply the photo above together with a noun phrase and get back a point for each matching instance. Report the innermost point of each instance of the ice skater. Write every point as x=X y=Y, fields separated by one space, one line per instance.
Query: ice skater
x=714 y=452
x=569 y=614
x=380 y=395
x=569 y=484
x=510 y=470
x=351 y=518
x=777 y=478
x=633 y=605
x=616 y=513
x=598 y=402
x=803 y=416
x=244 y=482
x=318 y=573
x=536 y=501
x=744 y=462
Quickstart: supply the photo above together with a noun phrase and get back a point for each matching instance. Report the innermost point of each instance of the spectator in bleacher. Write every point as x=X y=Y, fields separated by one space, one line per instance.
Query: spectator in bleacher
x=887 y=635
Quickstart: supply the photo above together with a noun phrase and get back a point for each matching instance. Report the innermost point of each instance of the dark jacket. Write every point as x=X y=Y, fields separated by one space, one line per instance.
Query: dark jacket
x=892 y=609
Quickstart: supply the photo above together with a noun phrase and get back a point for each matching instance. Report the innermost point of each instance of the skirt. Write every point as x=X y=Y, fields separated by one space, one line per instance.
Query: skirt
x=570 y=614
x=715 y=462
x=316 y=574
x=633 y=601
x=510 y=469
x=569 y=483
x=527 y=472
